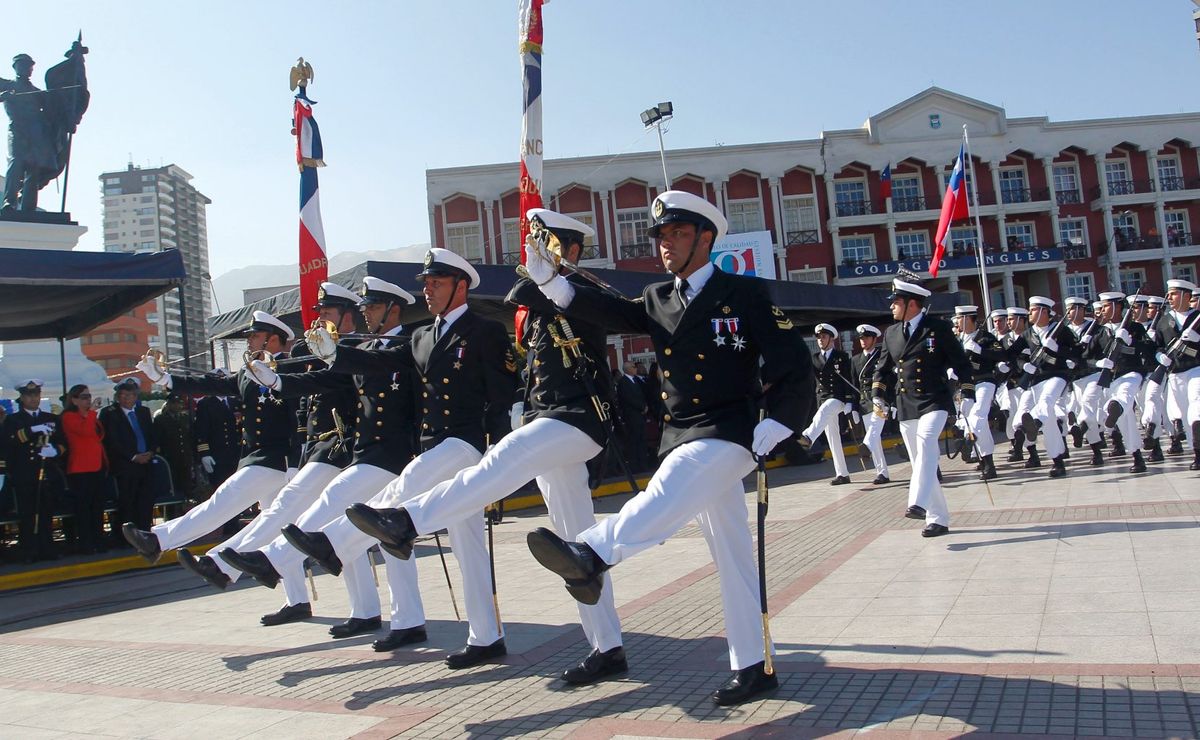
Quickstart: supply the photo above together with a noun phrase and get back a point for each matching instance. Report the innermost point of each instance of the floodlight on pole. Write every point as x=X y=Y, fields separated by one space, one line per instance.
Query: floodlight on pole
x=656 y=117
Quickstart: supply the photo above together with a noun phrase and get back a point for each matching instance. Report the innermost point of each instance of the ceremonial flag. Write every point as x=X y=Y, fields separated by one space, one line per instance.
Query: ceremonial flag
x=885 y=182
x=314 y=266
x=529 y=36
x=954 y=206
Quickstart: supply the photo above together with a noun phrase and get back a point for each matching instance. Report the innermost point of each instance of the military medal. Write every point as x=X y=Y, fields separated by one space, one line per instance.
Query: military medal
x=395 y=381
x=929 y=345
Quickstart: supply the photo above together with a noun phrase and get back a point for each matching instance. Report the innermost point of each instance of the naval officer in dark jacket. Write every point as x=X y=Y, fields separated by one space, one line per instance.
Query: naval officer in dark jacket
x=836 y=395
x=917 y=351
x=724 y=350
x=863 y=366
x=32 y=440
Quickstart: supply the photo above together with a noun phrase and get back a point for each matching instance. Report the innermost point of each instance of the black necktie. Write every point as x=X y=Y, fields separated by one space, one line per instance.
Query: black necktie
x=682 y=287
x=437 y=329
x=907 y=331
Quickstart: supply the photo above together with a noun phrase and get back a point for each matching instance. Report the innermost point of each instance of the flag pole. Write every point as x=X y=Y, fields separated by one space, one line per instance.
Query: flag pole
x=985 y=290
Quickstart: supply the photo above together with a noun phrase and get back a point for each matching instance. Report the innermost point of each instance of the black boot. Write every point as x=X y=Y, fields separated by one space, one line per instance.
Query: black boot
x=988 y=469
x=1112 y=412
x=1058 y=468
x=1195 y=462
x=1176 y=447
x=1156 y=453
x=1097 y=456
x=1030 y=426
x=1034 y=461
x=1076 y=436
x=1139 y=465
x=1195 y=446
x=1118 y=444
x=1018 y=443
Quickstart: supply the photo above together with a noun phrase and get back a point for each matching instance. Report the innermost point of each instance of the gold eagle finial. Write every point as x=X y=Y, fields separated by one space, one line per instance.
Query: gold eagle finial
x=302 y=74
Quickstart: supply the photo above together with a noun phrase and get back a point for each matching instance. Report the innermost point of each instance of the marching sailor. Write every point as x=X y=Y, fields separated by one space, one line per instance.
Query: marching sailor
x=1121 y=351
x=1179 y=339
x=1054 y=357
x=720 y=343
x=863 y=366
x=1078 y=323
x=917 y=351
x=985 y=353
x=1017 y=346
x=836 y=395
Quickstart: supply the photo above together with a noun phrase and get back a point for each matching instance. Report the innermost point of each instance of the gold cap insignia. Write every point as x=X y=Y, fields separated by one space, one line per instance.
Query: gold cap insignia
x=428 y=259
x=320 y=294
x=726 y=310
x=659 y=207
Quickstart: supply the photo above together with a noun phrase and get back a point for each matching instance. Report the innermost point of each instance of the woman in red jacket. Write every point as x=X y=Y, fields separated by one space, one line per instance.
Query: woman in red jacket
x=87 y=468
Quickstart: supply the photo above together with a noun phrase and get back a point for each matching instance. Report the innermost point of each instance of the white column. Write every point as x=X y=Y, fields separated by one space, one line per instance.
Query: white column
x=612 y=248
x=723 y=195
x=1048 y=167
x=781 y=236
x=1010 y=295
x=435 y=239
x=1114 y=262
x=952 y=284
x=1000 y=220
x=891 y=232
x=1061 y=269
x=490 y=238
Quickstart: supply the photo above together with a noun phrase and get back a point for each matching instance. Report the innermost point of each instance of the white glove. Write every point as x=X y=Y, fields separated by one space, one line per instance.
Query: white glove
x=149 y=368
x=289 y=474
x=1003 y=367
x=856 y=417
x=263 y=373
x=42 y=428
x=847 y=407
x=767 y=434
x=967 y=405
x=516 y=415
x=537 y=263
x=881 y=409
x=47 y=452
x=1070 y=364
x=321 y=343
x=1191 y=336
x=1105 y=364
x=951 y=374
x=208 y=463
x=1086 y=339
x=1163 y=359
x=1050 y=344
x=1124 y=336
x=1029 y=367
x=973 y=347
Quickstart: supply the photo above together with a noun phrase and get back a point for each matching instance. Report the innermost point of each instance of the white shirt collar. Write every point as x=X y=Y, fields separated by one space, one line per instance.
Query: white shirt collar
x=450 y=318
x=393 y=332
x=697 y=280
x=914 y=322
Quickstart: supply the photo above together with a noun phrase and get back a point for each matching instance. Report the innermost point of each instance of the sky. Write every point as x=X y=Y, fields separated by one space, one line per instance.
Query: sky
x=406 y=86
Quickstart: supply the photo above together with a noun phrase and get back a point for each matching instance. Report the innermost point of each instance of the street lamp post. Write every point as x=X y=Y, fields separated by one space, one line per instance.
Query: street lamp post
x=656 y=117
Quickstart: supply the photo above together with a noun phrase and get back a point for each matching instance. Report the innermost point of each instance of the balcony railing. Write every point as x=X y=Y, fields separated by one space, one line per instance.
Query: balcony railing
x=1024 y=195
x=1067 y=197
x=1179 y=239
x=1132 y=243
x=854 y=208
x=904 y=205
x=1168 y=184
x=1073 y=251
x=590 y=253
x=804 y=236
x=511 y=259
x=1124 y=187
x=637 y=251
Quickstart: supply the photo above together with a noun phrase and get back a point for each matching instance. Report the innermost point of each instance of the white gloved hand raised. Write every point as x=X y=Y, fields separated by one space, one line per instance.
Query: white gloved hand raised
x=973 y=347
x=856 y=417
x=150 y=369
x=1070 y=364
x=1029 y=367
x=537 y=263
x=1163 y=359
x=1191 y=336
x=321 y=343
x=1003 y=367
x=47 y=452
x=263 y=373
x=1104 y=364
x=208 y=463
x=516 y=415
x=767 y=434
x=1050 y=344
x=1124 y=336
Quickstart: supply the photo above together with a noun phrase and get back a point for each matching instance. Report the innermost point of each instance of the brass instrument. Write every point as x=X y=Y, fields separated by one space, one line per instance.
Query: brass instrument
x=544 y=240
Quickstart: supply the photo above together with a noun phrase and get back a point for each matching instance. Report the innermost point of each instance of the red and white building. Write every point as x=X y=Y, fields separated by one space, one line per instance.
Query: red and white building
x=1067 y=207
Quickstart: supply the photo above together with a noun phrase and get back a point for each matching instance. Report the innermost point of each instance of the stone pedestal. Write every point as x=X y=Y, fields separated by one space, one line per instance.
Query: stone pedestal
x=35 y=235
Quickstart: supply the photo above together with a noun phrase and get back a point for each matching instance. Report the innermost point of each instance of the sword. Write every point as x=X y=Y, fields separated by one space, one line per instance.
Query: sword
x=449 y=586
x=763 y=493
x=492 y=567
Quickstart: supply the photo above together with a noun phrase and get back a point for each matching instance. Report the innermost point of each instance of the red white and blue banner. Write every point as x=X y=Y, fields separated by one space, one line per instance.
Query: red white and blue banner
x=750 y=253
x=885 y=183
x=314 y=265
x=954 y=207
x=529 y=15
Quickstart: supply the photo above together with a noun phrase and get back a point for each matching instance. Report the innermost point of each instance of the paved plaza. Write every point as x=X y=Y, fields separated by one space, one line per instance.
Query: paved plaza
x=1070 y=607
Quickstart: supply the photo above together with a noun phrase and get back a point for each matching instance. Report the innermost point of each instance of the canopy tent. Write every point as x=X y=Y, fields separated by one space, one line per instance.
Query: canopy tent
x=805 y=303
x=47 y=294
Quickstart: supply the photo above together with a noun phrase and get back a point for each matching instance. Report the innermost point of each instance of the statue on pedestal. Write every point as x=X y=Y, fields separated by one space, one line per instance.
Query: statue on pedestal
x=40 y=126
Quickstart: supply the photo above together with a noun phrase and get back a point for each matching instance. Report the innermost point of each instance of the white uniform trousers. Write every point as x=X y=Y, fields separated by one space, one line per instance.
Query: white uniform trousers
x=921 y=440
x=556 y=454
x=467 y=540
x=1040 y=402
x=1183 y=397
x=1015 y=395
x=355 y=483
x=293 y=499
x=1154 y=407
x=238 y=493
x=700 y=480
x=977 y=419
x=873 y=438
x=1124 y=391
x=1090 y=397
x=827 y=421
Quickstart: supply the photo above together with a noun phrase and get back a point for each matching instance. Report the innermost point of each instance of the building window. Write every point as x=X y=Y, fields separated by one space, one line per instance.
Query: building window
x=1012 y=186
x=1168 y=174
x=744 y=216
x=1081 y=285
x=1116 y=175
x=1073 y=232
x=590 y=250
x=1184 y=272
x=800 y=220
x=1018 y=236
x=631 y=230
x=465 y=240
x=1125 y=231
x=1132 y=279
x=962 y=240
x=967 y=181
x=851 y=197
x=911 y=245
x=857 y=249
x=1066 y=184
x=906 y=194
x=1177 y=228
x=511 y=241
x=810 y=275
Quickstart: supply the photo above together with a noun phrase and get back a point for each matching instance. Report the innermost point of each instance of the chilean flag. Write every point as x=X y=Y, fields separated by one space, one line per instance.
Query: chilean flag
x=314 y=266
x=529 y=45
x=885 y=182
x=954 y=206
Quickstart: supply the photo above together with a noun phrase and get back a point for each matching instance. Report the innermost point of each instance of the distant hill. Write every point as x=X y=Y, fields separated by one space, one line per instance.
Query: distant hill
x=230 y=285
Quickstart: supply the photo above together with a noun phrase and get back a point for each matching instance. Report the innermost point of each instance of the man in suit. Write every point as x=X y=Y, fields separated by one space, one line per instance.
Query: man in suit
x=722 y=345
x=863 y=368
x=917 y=351
x=631 y=402
x=836 y=395
x=130 y=442
x=31 y=439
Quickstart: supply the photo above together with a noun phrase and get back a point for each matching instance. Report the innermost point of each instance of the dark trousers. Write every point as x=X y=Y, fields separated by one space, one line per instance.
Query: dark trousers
x=88 y=496
x=633 y=441
x=135 y=500
x=34 y=511
x=223 y=468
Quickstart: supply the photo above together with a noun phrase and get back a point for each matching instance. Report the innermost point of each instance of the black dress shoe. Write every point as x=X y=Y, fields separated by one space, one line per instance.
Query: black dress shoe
x=475 y=654
x=1058 y=468
x=146 y=543
x=915 y=512
x=1030 y=426
x=392 y=527
x=316 y=545
x=1195 y=462
x=575 y=562
x=254 y=564
x=880 y=480
x=988 y=471
x=804 y=442
x=1076 y=436
x=597 y=666
x=400 y=638
x=203 y=567
x=1156 y=453
x=840 y=480
x=1176 y=447
x=354 y=626
x=1118 y=445
x=289 y=613
x=1139 y=465
x=935 y=530
x=745 y=685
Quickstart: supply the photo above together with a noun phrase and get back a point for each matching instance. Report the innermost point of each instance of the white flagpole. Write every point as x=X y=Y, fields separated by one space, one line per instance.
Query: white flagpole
x=979 y=256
